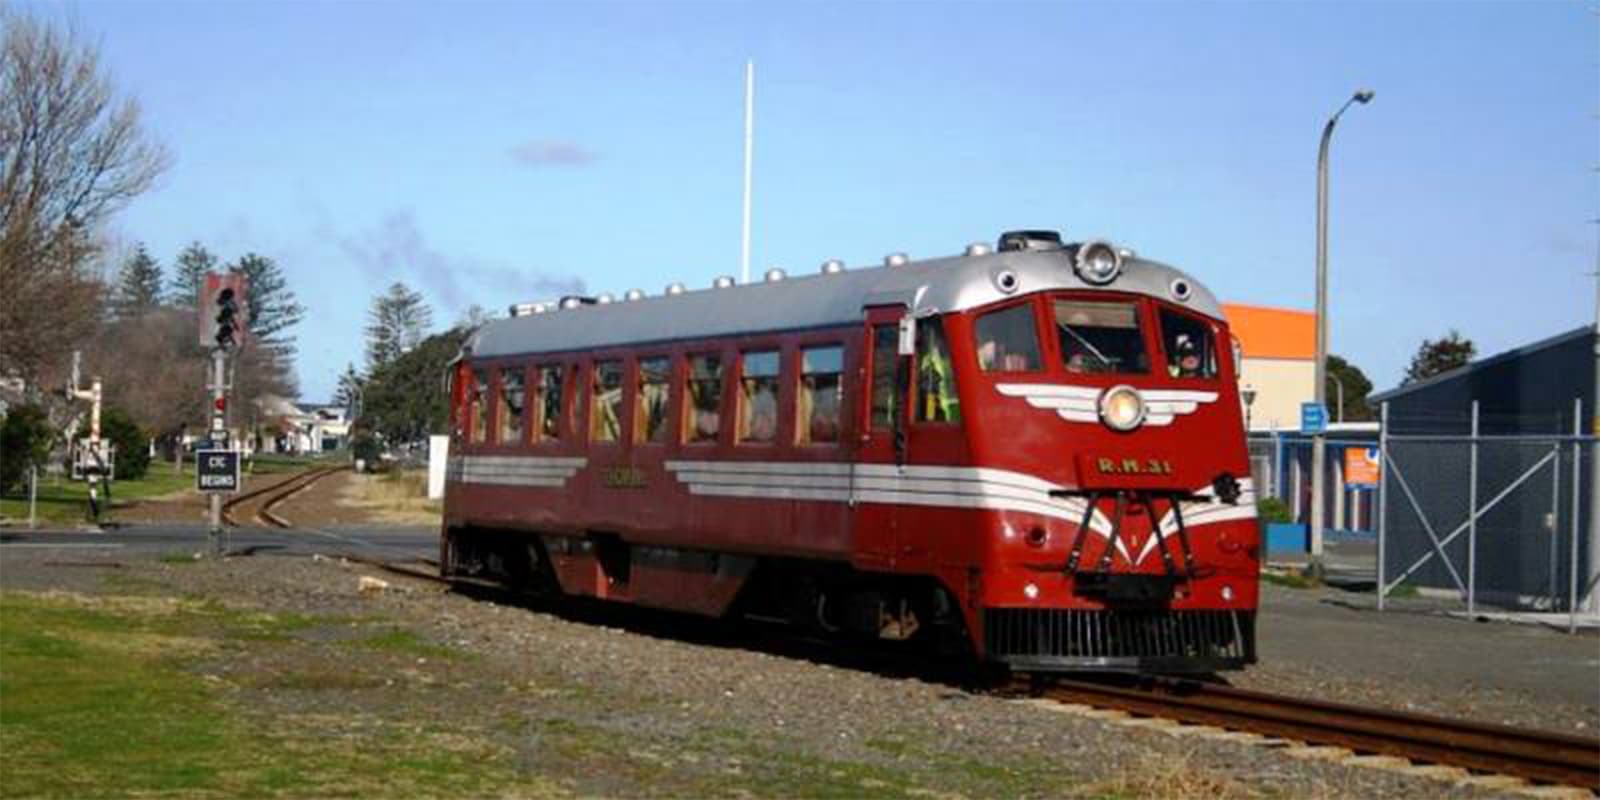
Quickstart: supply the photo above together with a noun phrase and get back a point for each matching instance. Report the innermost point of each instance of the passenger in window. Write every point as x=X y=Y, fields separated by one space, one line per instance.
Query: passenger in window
x=1007 y=340
x=1186 y=358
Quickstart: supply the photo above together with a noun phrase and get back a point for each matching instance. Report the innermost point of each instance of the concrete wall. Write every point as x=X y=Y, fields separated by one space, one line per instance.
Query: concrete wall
x=1281 y=385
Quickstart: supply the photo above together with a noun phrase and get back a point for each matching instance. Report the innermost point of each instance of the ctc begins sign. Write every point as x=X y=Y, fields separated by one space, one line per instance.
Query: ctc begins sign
x=217 y=470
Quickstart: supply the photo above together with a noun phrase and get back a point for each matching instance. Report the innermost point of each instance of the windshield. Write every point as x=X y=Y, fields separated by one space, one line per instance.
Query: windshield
x=1100 y=337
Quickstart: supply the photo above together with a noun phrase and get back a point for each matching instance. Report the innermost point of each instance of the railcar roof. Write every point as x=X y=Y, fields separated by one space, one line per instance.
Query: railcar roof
x=820 y=300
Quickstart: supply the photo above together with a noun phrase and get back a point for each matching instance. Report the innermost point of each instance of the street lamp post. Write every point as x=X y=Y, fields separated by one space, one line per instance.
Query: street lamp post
x=1319 y=444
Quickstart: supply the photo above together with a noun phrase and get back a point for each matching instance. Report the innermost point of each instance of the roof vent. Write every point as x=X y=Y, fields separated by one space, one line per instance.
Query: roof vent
x=896 y=260
x=675 y=288
x=569 y=302
x=775 y=274
x=521 y=309
x=1030 y=240
x=832 y=266
x=723 y=282
x=979 y=249
x=633 y=295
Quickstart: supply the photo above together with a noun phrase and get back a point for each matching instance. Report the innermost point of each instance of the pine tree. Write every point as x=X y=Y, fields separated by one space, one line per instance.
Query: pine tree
x=272 y=305
x=189 y=275
x=1435 y=356
x=138 y=290
x=398 y=321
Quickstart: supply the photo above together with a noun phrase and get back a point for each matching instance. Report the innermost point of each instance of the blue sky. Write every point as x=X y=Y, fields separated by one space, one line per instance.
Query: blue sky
x=492 y=153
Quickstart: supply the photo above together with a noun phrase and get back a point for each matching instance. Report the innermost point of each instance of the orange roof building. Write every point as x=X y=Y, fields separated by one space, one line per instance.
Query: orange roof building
x=1280 y=349
x=1266 y=332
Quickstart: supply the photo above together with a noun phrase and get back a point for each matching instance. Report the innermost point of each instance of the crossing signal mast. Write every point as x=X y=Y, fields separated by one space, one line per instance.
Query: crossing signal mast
x=224 y=328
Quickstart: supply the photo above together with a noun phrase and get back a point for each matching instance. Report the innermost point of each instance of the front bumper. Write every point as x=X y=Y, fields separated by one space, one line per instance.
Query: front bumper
x=1161 y=641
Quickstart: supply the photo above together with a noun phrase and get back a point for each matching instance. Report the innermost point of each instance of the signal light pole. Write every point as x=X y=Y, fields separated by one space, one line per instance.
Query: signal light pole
x=222 y=304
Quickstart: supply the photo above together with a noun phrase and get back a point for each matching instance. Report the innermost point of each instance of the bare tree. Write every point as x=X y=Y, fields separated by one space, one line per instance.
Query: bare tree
x=71 y=154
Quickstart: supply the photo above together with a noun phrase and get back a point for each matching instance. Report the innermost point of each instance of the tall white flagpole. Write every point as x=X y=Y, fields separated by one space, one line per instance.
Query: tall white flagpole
x=749 y=146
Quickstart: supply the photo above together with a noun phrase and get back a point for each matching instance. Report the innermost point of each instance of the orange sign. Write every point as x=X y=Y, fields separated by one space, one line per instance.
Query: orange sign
x=1361 y=467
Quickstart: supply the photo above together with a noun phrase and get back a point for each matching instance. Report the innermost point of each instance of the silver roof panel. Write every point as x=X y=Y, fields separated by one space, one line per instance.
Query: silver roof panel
x=934 y=286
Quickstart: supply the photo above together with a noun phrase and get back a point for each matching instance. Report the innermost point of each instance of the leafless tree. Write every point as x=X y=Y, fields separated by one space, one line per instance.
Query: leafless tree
x=72 y=152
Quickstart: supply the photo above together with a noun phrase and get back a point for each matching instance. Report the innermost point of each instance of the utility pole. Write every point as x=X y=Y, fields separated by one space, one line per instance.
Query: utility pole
x=749 y=154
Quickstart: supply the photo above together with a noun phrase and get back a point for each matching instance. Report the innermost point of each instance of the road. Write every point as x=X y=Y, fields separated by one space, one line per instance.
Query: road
x=367 y=541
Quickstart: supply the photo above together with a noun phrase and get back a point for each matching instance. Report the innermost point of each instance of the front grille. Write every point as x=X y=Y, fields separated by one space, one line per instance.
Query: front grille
x=1158 y=639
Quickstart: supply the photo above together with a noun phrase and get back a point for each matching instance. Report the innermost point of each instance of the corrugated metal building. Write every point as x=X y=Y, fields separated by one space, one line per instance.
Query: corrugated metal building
x=1526 y=539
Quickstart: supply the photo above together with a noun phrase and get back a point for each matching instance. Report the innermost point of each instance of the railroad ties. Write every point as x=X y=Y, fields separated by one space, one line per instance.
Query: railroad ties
x=1374 y=737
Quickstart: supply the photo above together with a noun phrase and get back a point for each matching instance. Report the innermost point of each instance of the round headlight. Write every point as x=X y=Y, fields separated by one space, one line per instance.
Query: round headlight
x=1122 y=408
x=1098 y=262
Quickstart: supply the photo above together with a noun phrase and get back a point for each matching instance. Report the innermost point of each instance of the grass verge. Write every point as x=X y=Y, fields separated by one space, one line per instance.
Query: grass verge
x=106 y=696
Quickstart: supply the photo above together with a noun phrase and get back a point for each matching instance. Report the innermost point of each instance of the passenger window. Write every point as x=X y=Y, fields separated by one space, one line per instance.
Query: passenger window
x=1100 y=337
x=650 y=418
x=821 y=393
x=1007 y=340
x=1191 y=350
x=885 y=358
x=758 y=397
x=704 y=408
x=549 y=405
x=478 y=403
x=511 y=406
x=936 y=378
x=605 y=417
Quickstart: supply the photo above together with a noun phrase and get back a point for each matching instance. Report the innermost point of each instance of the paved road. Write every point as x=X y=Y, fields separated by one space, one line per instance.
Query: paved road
x=365 y=541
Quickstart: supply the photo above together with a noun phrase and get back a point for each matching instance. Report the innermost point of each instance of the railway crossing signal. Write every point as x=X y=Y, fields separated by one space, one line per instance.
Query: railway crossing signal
x=224 y=310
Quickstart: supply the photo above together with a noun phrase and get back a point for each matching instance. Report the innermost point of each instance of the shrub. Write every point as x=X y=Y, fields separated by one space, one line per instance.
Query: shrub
x=131 y=443
x=25 y=439
x=1270 y=510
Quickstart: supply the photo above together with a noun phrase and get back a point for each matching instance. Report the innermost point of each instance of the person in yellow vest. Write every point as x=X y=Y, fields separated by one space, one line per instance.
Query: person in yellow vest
x=937 y=382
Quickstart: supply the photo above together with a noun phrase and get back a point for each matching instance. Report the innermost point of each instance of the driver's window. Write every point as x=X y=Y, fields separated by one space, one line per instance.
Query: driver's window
x=1190 y=347
x=1099 y=337
x=937 y=400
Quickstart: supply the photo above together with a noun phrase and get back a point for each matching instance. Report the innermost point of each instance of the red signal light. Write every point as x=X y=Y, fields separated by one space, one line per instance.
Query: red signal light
x=220 y=403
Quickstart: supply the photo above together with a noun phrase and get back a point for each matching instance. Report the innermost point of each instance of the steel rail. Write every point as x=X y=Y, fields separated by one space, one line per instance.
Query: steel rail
x=275 y=494
x=1530 y=754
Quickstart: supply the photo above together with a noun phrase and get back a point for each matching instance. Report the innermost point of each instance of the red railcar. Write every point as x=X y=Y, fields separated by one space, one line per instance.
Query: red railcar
x=1033 y=452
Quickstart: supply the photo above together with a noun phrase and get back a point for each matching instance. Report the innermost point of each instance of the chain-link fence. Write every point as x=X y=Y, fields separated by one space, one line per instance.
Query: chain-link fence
x=1497 y=519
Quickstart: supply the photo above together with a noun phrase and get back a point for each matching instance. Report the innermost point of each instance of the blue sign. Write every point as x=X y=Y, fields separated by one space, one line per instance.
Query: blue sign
x=1313 y=418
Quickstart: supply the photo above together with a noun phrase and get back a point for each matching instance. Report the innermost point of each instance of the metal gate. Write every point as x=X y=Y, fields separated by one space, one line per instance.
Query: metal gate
x=1493 y=518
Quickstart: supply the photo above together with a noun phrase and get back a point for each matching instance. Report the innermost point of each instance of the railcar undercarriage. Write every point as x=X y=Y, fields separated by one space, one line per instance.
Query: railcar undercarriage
x=837 y=601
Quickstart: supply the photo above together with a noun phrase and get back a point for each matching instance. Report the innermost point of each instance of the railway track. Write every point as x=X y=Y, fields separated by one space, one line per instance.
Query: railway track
x=269 y=497
x=1532 y=755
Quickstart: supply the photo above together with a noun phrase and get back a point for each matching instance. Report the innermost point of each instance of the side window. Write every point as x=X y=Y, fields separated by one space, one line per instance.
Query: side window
x=703 y=409
x=478 y=406
x=605 y=416
x=511 y=406
x=758 y=396
x=1007 y=340
x=936 y=376
x=650 y=417
x=821 y=394
x=575 y=376
x=885 y=354
x=548 y=409
x=1191 y=349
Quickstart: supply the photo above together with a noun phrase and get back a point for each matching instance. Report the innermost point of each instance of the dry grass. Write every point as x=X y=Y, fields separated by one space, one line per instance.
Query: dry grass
x=400 y=498
x=1178 y=778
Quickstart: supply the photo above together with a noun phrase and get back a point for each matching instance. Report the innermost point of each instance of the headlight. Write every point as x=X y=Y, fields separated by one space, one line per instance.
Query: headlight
x=1098 y=262
x=1122 y=408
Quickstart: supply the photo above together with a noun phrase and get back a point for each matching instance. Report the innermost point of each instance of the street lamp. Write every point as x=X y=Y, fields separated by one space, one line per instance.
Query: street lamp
x=1319 y=444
